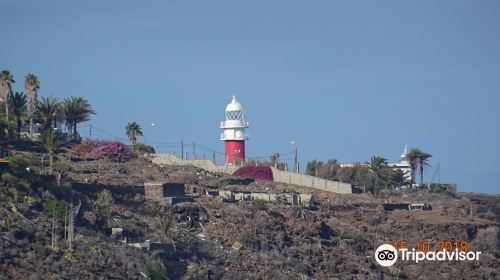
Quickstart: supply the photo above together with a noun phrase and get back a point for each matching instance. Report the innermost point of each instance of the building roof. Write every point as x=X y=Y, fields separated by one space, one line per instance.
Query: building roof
x=234 y=105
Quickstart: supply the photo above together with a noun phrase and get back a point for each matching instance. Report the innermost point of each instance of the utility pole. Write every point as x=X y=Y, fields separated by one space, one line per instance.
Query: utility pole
x=194 y=154
x=182 y=149
x=154 y=137
x=296 y=167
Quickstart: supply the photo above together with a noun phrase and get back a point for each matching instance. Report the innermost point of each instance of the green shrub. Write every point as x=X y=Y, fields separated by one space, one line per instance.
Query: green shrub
x=17 y=165
x=57 y=208
x=260 y=204
x=140 y=148
x=156 y=272
x=10 y=180
x=248 y=238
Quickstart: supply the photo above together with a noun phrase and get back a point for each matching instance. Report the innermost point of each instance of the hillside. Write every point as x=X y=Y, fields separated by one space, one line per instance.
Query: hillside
x=334 y=238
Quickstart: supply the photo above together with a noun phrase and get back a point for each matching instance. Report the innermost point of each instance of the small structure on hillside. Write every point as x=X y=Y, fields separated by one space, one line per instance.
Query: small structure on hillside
x=406 y=206
x=167 y=193
x=420 y=206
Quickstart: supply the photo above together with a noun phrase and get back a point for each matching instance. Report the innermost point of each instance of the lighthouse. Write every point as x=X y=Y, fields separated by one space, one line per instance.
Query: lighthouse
x=233 y=133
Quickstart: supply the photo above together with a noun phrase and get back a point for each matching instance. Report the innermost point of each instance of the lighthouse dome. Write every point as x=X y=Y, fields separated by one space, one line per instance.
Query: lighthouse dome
x=234 y=105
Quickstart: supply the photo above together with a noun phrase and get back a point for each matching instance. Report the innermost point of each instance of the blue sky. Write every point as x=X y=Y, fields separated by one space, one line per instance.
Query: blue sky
x=344 y=79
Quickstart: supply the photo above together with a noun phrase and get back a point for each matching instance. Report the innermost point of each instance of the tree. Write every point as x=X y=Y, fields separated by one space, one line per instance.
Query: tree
x=312 y=167
x=365 y=178
x=413 y=157
x=379 y=167
x=104 y=202
x=18 y=107
x=274 y=158
x=423 y=161
x=6 y=81
x=4 y=136
x=133 y=130
x=60 y=167
x=417 y=159
x=74 y=111
x=31 y=86
x=52 y=141
x=47 y=113
x=397 y=178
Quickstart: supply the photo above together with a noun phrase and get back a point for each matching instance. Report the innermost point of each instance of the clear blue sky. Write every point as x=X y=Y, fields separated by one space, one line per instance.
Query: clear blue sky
x=344 y=79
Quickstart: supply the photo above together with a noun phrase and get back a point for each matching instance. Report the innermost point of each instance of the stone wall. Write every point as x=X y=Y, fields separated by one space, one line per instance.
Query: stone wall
x=153 y=190
x=304 y=199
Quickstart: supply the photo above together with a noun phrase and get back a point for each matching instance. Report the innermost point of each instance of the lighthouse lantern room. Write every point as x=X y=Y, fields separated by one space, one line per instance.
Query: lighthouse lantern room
x=233 y=134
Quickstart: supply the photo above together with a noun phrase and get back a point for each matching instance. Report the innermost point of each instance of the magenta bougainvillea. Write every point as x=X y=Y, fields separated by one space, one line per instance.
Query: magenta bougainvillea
x=108 y=150
x=255 y=172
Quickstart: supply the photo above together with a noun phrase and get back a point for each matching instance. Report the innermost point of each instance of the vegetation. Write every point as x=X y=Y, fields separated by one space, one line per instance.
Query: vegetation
x=17 y=165
x=255 y=172
x=52 y=141
x=326 y=170
x=372 y=176
x=18 y=106
x=47 y=113
x=76 y=110
x=109 y=150
x=60 y=167
x=156 y=272
x=6 y=81
x=140 y=148
x=56 y=209
x=133 y=129
x=31 y=86
x=418 y=158
x=26 y=107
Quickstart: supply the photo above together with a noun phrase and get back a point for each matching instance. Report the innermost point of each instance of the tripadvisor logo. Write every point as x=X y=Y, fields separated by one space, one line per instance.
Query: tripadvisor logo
x=387 y=255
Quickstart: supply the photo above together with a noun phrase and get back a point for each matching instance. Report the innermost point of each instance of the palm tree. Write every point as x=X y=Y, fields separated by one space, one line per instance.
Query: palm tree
x=133 y=130
x=413 y=157
x=6 y=81
x=74 y=111
x=47 y=111
x=423 y=161
x=31 y=86
x=380 y=169
x=52 y=141
x=18 y=107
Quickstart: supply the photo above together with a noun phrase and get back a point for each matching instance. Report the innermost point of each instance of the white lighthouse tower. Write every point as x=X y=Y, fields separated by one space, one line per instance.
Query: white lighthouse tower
x=234 y=134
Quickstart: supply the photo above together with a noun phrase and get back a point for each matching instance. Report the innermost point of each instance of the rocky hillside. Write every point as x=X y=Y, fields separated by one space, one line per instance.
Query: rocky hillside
x=334 y=238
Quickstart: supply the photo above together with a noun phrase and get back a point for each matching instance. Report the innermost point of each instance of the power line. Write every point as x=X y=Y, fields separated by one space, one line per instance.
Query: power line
x=109 y=134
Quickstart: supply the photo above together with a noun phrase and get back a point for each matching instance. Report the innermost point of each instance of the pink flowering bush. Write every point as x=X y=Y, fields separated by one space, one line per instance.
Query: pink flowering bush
x=255 y=172
x=108 y=150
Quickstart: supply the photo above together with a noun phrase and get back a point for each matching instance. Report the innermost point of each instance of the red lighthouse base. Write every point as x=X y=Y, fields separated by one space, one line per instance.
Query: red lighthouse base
x=234 y=150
